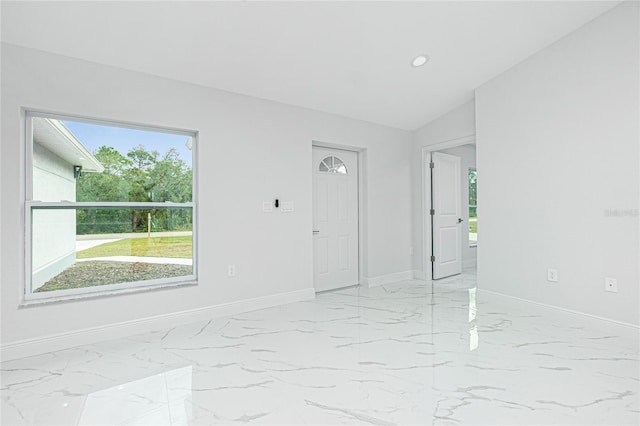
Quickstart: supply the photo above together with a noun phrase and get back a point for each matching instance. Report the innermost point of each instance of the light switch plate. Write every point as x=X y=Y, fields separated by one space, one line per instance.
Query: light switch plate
x=287 y=206
x=552 y=275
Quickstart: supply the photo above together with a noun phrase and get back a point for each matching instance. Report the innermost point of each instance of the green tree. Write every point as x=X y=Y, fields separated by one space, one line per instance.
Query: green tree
x=171 y=179
x=142 y=159
x=109 y=185
x=141 y=176
x=473 y=191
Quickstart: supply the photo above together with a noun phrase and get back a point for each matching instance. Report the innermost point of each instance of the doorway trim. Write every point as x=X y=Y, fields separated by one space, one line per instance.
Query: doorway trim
x=427 y=238
x=362 y=213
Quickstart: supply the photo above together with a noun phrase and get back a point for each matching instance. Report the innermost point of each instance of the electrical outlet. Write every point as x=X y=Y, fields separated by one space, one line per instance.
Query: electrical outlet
x=552 y=275
x=611 y=284
x=231 y=270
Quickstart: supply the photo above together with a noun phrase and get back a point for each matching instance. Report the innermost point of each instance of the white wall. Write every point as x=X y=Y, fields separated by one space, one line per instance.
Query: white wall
x=557 y=146
x=467 y=154
x=53 y=242
x=250 y=151
x=456 y=124
x=52 y=176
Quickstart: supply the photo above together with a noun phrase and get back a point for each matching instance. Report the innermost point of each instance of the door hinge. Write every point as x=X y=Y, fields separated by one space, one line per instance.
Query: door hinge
x=431 y=165
x=432 y=212
x=433 y=259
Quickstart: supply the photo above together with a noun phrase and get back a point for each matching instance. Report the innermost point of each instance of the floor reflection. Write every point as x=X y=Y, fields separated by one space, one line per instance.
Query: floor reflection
x=161 y=399
x=473 y=327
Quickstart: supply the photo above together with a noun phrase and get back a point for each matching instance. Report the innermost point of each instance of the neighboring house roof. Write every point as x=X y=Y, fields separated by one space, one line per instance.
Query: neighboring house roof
x=54 y=136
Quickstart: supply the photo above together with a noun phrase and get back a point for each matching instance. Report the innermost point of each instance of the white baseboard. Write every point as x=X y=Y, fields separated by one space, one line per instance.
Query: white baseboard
x=41 y=345
x=419 y=275
x=508 y=296
x=469 y=263
x=386 y=279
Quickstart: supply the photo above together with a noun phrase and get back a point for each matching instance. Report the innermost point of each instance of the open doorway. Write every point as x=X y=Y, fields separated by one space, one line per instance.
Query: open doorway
x=450 y=208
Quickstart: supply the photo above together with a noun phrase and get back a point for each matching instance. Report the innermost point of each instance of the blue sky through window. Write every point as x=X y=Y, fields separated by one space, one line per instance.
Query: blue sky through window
x=93 y=136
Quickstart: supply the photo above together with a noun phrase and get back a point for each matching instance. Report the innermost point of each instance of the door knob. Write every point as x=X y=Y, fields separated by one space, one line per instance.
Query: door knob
x=459 y=220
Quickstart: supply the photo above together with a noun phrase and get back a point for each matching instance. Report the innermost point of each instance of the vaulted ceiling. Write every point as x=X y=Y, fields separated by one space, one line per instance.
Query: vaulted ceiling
x=346 y=58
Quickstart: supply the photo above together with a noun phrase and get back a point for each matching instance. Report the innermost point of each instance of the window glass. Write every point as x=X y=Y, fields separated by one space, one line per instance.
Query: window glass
x=111 y=207
x=473 y=207
x=333 y=164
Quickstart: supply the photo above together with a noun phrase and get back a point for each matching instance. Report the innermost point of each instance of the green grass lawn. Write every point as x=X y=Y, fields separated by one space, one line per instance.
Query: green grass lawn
x=146 y=247
x=473 y=225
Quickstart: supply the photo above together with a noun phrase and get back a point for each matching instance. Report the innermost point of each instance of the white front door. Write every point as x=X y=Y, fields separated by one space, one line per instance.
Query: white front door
x=335 y=218
x=446 y=216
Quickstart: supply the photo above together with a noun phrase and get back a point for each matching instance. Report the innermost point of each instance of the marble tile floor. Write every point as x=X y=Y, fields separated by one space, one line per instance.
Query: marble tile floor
x=412 y=352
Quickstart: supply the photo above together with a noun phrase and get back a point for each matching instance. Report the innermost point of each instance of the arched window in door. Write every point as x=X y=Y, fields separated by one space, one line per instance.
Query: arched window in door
x=332 y=164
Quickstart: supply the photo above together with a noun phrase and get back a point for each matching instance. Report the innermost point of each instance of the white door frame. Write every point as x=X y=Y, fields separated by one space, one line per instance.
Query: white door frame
x=362 y=216
x=427 y=251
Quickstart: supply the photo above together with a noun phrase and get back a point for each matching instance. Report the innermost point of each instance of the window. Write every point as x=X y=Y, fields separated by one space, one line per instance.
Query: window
x=473 y=208
x=333 y=164
x=110 y=207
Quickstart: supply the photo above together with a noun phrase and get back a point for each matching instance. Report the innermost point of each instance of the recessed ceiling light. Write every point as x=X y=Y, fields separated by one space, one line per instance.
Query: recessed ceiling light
x=419 y=60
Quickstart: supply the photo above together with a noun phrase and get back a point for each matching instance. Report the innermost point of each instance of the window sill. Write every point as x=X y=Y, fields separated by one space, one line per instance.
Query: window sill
x=30 y=301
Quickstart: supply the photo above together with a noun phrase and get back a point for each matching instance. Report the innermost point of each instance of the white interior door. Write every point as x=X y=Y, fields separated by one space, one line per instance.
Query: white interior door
x=335 y=218
x=446 y=215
